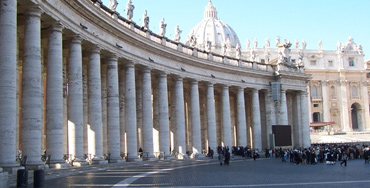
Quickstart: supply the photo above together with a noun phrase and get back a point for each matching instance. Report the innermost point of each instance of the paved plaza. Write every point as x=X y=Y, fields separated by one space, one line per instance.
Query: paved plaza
x=206 y=172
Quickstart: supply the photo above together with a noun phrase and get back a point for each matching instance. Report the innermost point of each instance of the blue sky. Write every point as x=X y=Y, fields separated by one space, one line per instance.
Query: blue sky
x=311 y=20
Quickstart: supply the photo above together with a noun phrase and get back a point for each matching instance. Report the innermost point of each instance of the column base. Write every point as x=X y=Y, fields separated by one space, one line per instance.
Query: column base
x=117 y=161
x=99 y=162
x=197 y=156
x=4 y=178
x=134 y=159
x=37 y=167
x=59 y=165
x=11 y=170
x=152 y=158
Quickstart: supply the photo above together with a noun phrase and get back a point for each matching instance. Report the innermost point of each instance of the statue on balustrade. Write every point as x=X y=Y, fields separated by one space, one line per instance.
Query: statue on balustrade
x=113 y=5
x=146 y=20
x=129 y=10
x=177 y=36
x=162 y=27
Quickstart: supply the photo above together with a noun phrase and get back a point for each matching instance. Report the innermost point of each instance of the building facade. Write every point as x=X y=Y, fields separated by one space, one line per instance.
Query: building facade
x=78 y=79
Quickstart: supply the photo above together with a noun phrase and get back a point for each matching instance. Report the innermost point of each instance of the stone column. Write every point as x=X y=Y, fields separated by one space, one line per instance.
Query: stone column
x=211 y=118
x=164 y=124
x=94 y=133
x=305 y=120
x=344 y=110
x=270 y=115
x=131 y=128
x=195 y=119
x=325 y=101
x=147 y=113
x=226 y=121
x=113 y=119
x=257 y=140
x=180 y=118
x=8 y=82
x=365 y=98
x=104 y=106
x=31 y=87
x=122 y=96
x=283 y=116
x=75 y=99
x=242 y=122
x=54 y=95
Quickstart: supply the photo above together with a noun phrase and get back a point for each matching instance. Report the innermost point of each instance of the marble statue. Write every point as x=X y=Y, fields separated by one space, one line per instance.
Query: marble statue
x=224 y=49
x=146 y=20
x=162 y=27
x=252 y=55
x=247 y=43
x=113 y=5
x=267 y=42
x=267 y=55
x=255 y=43
x=277 y=41
x=296 y=44
x=129 y=10
x=238 y=51
x=320 y=45
x=300 y=58
x=177 y=36
x=304 y=44
x=339 y=46
x=360 y=49
x=193 y=39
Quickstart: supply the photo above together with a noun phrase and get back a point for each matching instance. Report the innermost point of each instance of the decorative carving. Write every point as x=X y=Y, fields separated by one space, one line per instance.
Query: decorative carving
x=177 y=36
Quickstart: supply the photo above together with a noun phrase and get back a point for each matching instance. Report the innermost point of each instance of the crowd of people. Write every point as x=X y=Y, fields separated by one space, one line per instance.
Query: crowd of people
x=325 y=153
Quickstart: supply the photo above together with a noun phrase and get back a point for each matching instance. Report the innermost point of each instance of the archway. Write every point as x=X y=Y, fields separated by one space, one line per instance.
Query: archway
x=356 y=116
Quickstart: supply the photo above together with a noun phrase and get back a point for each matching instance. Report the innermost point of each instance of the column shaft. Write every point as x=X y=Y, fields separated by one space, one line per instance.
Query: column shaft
x=131 y=128
x=195 y=119
x=270 y=116
x=305 y=120
x=180 y=118
x=113 y=123
x=211 y=118
x=95 y=111
x=75 y=99
x=31 y=87
x=226 y=121
x=283 y=116
x=325 y=101
x=257 y=140
x=8 y=82
x=122 y=107
x=164 y=124
x=365 y=98
x=242 y=122
x=54 y=95
x=147 y=113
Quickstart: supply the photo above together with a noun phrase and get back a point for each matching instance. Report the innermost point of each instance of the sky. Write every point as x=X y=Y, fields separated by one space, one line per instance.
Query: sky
x=309 y=20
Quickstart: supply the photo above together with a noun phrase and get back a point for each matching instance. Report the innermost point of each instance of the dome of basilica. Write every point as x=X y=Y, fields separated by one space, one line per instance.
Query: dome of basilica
x=211 y=33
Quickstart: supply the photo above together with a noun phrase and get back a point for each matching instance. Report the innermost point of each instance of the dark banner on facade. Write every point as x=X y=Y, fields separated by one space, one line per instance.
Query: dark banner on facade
x=283 y=135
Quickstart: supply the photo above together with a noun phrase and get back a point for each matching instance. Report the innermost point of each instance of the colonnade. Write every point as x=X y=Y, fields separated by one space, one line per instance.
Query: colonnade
x=163 y=99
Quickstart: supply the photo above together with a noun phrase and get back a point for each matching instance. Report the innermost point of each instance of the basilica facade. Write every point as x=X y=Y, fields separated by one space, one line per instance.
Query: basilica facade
x=77 y=79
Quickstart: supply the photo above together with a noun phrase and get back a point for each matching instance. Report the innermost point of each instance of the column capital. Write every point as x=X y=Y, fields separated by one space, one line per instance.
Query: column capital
x=146 y=70
x=57 y=26
x=95 y=49
x=130 y=64
x=76 y=39
x=34 y=11
x=112 y=57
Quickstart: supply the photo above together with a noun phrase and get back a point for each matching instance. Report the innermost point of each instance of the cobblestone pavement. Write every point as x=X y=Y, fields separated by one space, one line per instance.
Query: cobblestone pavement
x=208 y=173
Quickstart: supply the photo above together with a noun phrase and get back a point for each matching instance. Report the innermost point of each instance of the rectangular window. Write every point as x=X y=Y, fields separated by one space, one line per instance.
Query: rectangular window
x=262 y=60
x=330 y=63
x=351 y=62
x=315 y=105
x=313 y=62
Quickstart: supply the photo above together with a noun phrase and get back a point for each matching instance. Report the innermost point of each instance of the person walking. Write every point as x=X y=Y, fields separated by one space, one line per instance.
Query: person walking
x=344 y=158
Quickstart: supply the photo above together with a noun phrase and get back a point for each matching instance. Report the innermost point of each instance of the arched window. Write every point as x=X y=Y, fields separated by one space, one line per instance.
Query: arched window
x=332 y=92
x=314 y=91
